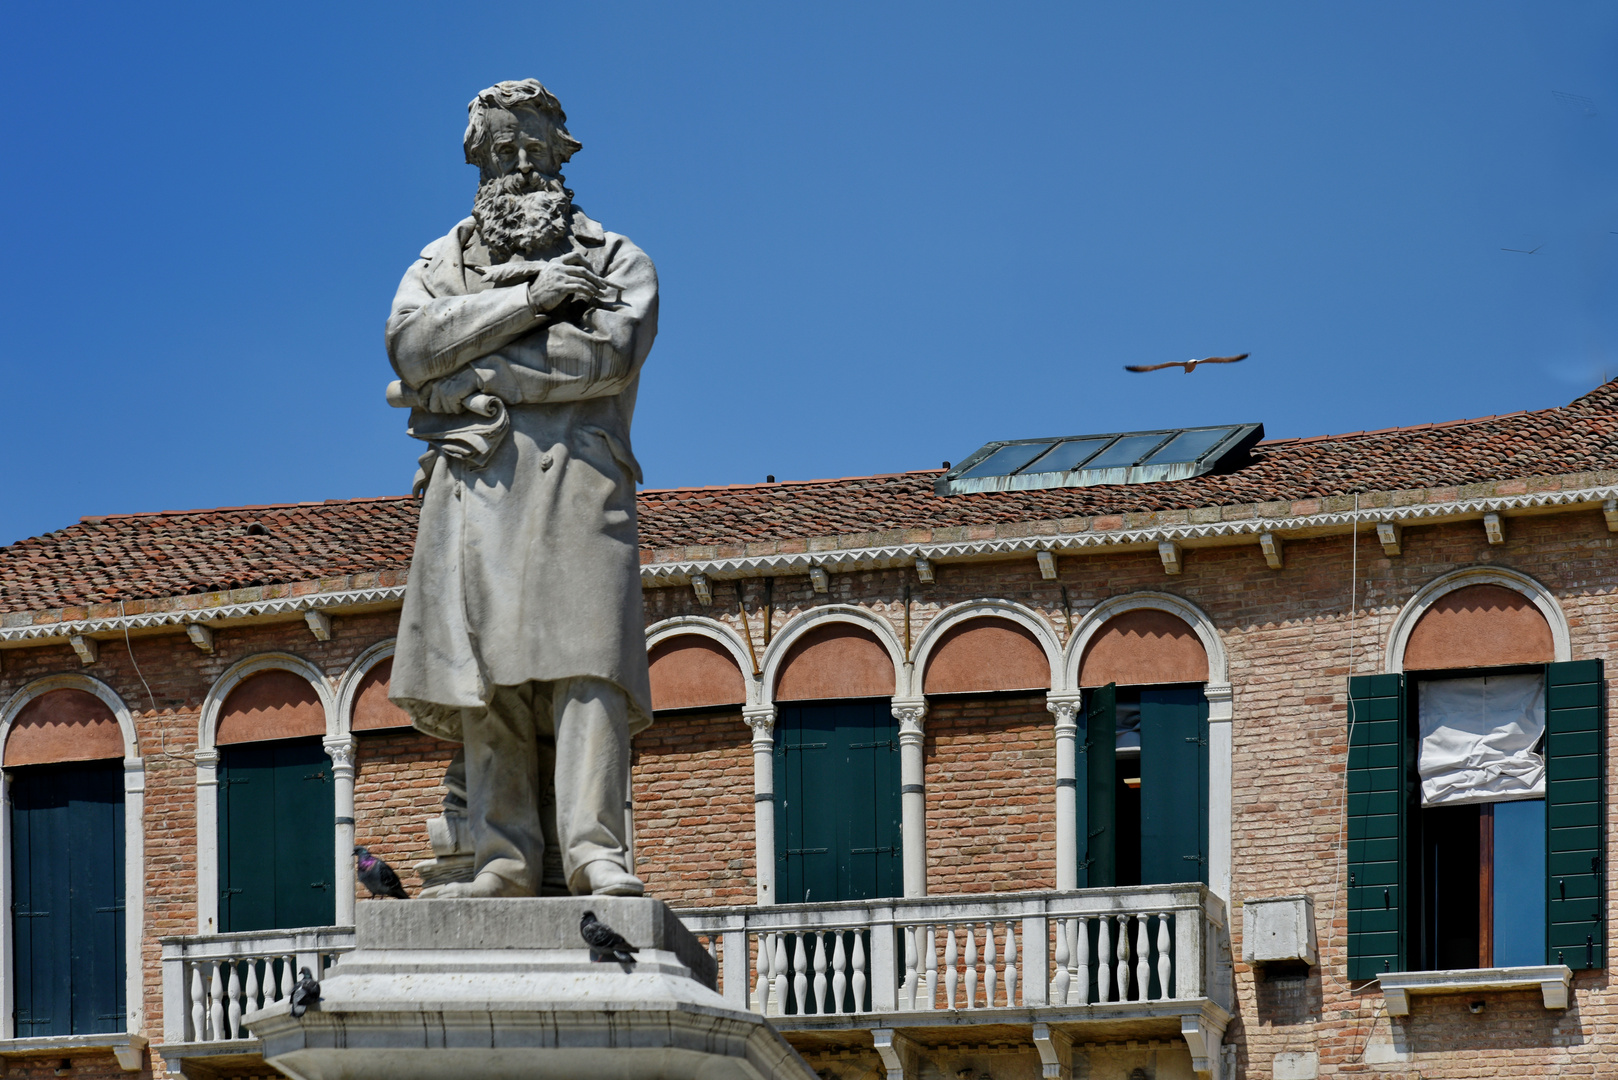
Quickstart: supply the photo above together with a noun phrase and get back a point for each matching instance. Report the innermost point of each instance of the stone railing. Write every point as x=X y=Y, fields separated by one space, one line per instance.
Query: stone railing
x=209 y=982
x=1093 y=947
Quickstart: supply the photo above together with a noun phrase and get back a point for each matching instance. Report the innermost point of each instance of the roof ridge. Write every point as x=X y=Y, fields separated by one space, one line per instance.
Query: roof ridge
x=767 y=486
x=96 y=519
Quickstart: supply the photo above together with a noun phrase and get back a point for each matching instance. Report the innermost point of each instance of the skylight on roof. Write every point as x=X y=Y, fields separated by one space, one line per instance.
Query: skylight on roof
x=1129 y=457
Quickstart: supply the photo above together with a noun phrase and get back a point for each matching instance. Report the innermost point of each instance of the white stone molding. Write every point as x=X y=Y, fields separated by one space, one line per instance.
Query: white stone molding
x=816 y=617
x=1220 y=712
x=1609 y=510
x=1270 y=544
x=319 y=624
x=1493 y=529
x=714 y=630
x=201 y=635
x=1202 y=1036
x=704 y=591
x=86 y=648
x=910 y=712
x=956 y=614
x=761 y=718
x=924 y=571
x=1388 y=535
x=1170 y=553
x=819 y=579
x=134 y=847
x=348 y=683
x=207 y=759
x=1047 y=564
x=1429 y=594
x=1064 y=706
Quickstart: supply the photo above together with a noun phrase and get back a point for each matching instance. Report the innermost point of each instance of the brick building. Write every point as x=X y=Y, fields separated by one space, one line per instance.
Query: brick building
x=1291 y=766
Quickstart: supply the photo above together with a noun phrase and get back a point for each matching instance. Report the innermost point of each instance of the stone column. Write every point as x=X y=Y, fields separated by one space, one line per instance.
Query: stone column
x=1219 y=784
x=761 y=718
x=207 y=841
x=341 y=752
x=134 y=892
x=1065 y=707
x=912 y=792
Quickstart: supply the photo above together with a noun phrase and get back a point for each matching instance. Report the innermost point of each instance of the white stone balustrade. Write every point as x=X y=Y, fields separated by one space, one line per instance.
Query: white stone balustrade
x=1094 y=947
x=209 y=982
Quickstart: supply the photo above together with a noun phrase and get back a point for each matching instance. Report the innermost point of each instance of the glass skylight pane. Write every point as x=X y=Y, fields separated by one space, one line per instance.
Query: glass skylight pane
x=1126 y=451
x=1067 y=455
x=1007 y=459
x=1189 y=446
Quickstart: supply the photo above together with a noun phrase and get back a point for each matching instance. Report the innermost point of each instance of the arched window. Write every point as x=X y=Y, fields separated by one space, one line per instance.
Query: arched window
x=64 y=761
x=1143 y=813
x=837 y=809
x=276 y=805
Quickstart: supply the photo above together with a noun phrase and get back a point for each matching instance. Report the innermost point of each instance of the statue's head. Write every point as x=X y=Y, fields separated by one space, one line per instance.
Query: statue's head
x=517 y=127
x=516 y=134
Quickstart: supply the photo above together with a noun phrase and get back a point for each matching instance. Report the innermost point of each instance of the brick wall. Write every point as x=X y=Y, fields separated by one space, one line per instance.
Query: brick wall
x=398 y=786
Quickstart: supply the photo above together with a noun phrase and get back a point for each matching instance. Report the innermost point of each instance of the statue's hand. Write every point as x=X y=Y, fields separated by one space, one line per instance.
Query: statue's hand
x=447 y=395
x=567 y=275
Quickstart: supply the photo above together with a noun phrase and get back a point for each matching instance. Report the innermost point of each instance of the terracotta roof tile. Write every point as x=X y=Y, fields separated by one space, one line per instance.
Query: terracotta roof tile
x=174 y=553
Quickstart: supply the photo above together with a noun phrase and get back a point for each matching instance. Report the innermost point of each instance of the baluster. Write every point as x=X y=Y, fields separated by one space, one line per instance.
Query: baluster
x=1011 y=964
x=198 y=1031
x=858 y=1004
x=1059 y=981
x=1081 y=957
x=989 y=972
x=216 y=1004
x=932 y=968
x=800 y=976
x=233 y=1000
x=252 y=987
x=951 y=975
x=1143 y=957
x=839 y=980
x=820 y=972
x=971 y=965
x=288 y=979
x=761 y=992
x=1104 y=961
x=911 y=980
x=1123 y=958
x=1164 y=968
x=779 y=966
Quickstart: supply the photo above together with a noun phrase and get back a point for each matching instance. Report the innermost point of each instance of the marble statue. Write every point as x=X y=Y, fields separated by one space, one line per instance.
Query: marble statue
x=518 y=339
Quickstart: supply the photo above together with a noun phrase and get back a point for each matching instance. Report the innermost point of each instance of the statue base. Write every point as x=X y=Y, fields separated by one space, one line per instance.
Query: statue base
x=507 y=989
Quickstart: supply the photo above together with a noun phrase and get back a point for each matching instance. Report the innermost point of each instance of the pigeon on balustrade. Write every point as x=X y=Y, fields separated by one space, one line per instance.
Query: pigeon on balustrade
x=305 y=994
x=378 y=876
x=605 y=942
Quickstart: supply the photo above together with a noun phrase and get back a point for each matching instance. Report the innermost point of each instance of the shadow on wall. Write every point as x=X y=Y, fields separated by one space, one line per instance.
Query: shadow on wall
x=1446 y=1024
x=1282 y=1000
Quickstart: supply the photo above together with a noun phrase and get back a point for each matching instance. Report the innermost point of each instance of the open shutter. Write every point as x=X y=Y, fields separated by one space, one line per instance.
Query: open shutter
x=1098 y=809
x=1575 y=767
x=1174 y=785
x=1377 y=797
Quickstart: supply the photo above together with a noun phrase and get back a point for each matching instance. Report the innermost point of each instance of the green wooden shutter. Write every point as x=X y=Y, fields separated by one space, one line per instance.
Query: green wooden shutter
x=1098 y=807
x=1575 y=767
x=276 y=805
x=67 y=852
x=1174 y=785
x=1377 y=807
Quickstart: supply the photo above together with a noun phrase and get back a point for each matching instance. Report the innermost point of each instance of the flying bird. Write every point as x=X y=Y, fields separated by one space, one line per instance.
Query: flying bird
x=1524 y=251
x=305 y=994
x=1188 y=365
x=378 y=876
x=605 y=942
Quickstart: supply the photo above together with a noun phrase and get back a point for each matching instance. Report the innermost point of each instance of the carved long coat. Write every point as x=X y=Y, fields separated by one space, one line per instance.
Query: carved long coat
x=527 y=568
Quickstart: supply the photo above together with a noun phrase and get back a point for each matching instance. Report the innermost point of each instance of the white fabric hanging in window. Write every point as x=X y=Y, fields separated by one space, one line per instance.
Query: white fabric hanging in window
x=1479 y=739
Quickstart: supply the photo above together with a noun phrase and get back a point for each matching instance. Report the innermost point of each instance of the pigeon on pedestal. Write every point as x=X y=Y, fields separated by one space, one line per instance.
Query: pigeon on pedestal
x=378 y=876
x=305 y=994
x=605 y=942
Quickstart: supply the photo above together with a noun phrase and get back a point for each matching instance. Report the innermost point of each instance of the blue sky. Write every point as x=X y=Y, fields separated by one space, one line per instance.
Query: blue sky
x=886 y=233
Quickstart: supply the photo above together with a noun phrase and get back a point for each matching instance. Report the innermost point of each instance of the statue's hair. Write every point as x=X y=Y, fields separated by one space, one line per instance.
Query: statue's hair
x=511 y=95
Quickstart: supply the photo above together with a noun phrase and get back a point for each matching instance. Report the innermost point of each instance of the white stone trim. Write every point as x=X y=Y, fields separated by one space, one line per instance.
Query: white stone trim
x=207 y=760
x=134 y=849
x=327 y=601
x=716 y=631
x=956 y=614
x=348 y=683
x=1429 y=594
x=816 y=617
x=1193 y=616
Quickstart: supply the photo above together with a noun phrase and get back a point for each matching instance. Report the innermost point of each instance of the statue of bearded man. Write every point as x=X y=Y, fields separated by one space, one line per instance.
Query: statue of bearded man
x=518 y=339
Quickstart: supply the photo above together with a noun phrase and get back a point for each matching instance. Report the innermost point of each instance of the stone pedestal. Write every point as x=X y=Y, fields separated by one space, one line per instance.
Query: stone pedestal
x=507 y=989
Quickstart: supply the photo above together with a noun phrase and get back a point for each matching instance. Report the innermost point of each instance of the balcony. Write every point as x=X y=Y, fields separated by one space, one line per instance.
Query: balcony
x=1044 y=970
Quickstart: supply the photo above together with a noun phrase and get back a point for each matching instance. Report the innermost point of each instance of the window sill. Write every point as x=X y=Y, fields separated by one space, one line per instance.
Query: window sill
x=128 y=1049
x=1555 y=982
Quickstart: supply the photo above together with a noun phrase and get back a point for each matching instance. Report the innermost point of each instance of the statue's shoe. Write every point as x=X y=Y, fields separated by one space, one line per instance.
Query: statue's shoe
x=607 y=879
x=482 y=886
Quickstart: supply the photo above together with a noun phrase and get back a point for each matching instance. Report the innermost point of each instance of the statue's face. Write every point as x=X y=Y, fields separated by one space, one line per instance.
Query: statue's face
x=520 y=143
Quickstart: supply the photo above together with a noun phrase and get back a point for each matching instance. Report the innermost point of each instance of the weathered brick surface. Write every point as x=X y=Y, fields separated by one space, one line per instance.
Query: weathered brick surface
x=398 y=785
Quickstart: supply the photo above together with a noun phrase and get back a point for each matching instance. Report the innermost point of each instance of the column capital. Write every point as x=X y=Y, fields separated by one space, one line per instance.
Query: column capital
x=761 y=718
x=1064 y=705
x=341 y=752
x=909 y=712
x=1220 y=706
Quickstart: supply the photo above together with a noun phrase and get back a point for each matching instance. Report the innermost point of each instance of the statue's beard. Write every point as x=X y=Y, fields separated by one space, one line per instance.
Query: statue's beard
x=518 y=214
